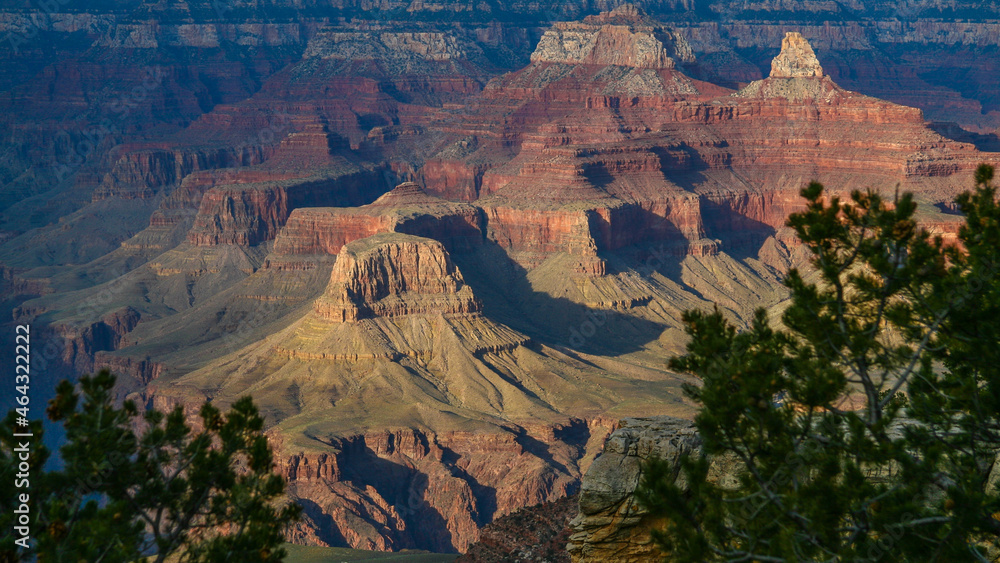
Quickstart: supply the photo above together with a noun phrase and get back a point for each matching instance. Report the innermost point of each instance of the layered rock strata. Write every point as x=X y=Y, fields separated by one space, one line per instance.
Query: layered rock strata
x=102 y=96
x=406 y=209
x=635 y=42
x=605 y=160
x=390 y=275
x=248 y=206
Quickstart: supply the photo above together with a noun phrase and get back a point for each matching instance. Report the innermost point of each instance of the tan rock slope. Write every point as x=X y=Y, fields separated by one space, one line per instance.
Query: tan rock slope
x=407 y=418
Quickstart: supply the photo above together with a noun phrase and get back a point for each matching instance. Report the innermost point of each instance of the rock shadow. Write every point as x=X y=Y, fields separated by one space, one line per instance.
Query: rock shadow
x=597 y=174
x=508 y=297
x=685 y=173
x=540 y=450
x=486 y=497
x=741 y=236
x=633 y=224
x=984 y=142
x=405 y=489
x=325 y=527
x=652 y=256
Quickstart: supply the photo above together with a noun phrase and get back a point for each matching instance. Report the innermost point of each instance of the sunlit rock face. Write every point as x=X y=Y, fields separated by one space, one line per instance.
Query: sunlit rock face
x=621 y=37
x=392 y=275
x=796 y=58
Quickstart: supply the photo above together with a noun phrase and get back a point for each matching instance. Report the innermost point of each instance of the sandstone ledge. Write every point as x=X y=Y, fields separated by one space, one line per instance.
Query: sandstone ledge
x=611 y=526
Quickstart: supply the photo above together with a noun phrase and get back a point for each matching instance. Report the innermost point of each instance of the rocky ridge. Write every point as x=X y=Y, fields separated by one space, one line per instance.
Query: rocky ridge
x=606 y=166
x=380 y=45
x=866 y=47
x=405 y=209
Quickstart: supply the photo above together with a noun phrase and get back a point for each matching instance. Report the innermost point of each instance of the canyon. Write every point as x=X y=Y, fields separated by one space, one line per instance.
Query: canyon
x=448 y=249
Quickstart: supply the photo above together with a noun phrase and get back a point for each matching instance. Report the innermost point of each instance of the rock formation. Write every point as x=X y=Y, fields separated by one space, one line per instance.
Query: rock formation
x=604 y=159
x=611 y=526
x=383 y=45
x=247 y=206
x=796 y=59
x=621 y=37
x=405 y=209
x=390 y=275
x=396 y=367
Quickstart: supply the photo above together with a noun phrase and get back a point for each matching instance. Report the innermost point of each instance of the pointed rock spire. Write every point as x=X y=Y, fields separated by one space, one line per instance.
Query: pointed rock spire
x=796 y=58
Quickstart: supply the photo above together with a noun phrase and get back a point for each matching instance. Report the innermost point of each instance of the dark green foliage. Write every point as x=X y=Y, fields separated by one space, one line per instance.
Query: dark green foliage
x=169 y=491
x=867 y=427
